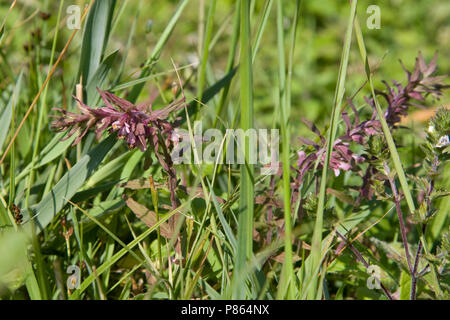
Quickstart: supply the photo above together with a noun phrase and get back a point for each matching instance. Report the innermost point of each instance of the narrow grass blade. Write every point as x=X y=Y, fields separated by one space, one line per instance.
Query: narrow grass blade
x=287 y=281
x=231 y=59
x=339 y=95
x=246 y=205
x=50 y=152
x=287 y=275
x=108 y=169
x=223 y=221
x=205 y=51
x=262 y=27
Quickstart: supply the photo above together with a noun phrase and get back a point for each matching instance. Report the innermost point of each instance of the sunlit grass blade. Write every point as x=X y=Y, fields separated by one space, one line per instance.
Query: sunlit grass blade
x=246 y=205
x=287 y=281
x=262 y=27
x=231 y=59
x=205 y=51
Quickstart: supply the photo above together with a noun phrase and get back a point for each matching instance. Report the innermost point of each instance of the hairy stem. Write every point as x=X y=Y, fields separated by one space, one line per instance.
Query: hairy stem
x=397 y=200
x=414 y=279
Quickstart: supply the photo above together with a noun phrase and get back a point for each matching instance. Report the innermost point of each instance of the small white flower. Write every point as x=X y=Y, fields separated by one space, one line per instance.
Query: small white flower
x=443 y=142
x=431 y=129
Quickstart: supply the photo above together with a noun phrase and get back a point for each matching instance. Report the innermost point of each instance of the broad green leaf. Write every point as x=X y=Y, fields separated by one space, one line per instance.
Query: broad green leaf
x=95 y=38
x=108 y=169
x=405 y=286
x=99 y=78
x=44 y=212
x=13 y=247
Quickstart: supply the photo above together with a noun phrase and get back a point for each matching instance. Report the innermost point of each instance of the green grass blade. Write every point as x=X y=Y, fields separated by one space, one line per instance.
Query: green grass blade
x=246 y=206
x=231 y=59
x=291 y=59
x=6 y=116
x=50 y=152
x=286 y=287
x=129 y=41
x=339 y=95
x=41 y=112
x=262 y=27
x=111 y=234
x=107 y=169
x=205 y=51
x=287 y=284
x=223 y=221
x=95 y=39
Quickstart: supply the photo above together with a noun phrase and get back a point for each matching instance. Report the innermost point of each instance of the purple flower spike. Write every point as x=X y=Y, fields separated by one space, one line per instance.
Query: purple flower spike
x=118 y=115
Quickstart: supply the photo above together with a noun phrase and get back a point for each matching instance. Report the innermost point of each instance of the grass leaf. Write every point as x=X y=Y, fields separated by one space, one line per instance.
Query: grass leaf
x=44 y=212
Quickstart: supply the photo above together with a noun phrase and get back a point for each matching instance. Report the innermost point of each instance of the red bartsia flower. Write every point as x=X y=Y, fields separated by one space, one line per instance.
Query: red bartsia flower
x=131 y=122
x=420 y=84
